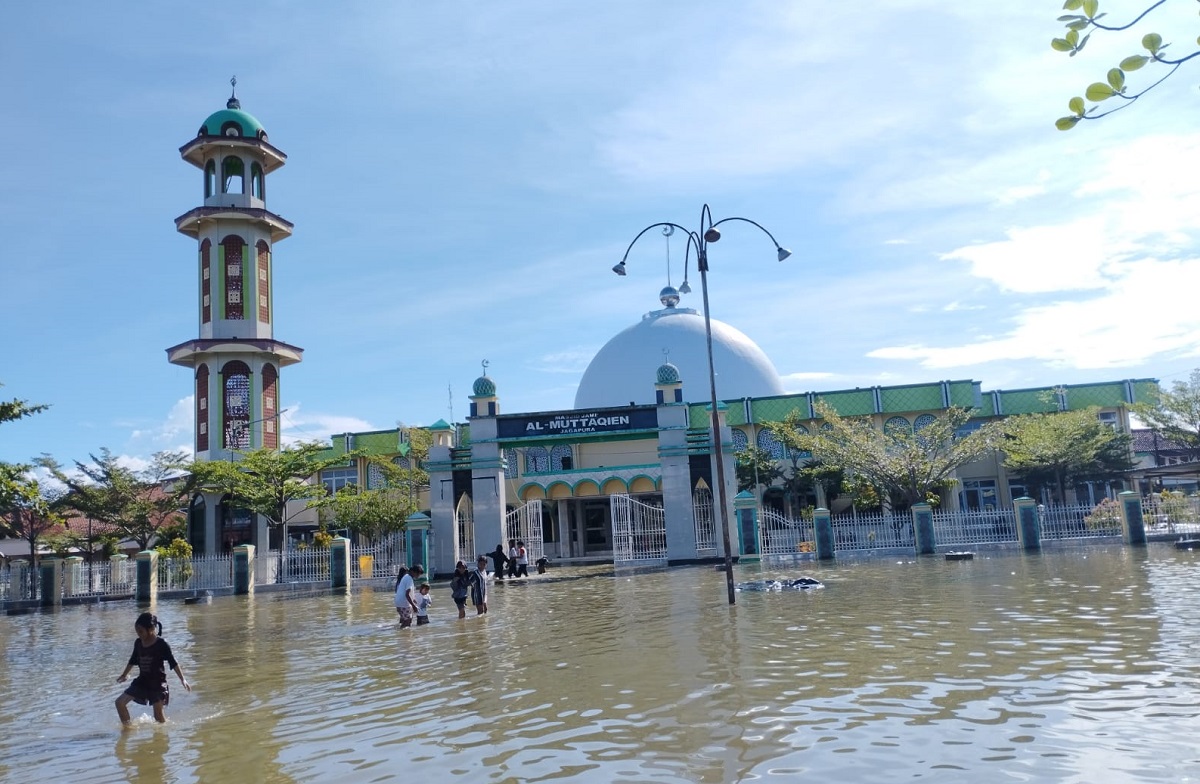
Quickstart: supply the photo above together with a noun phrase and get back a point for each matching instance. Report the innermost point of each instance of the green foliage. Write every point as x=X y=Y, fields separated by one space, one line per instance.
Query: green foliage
x=754 y=468
x=322 y=539
x=369 y=513
x=136 y=504
x=264 y=481
x=1175 y=414
x=12 y=410
x=178 y=557
x=1114 y=86
x=1059 y=449
x=903 y=465
x=1107 y=514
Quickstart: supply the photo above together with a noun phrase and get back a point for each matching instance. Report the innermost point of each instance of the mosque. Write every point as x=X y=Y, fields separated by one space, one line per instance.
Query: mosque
x=628 y=474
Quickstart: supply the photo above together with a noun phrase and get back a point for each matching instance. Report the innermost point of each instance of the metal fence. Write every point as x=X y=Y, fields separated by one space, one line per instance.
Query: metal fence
x=781 y=535
x=974 y=526
x=1171 y=513
x=1078 y=521
x=872 y=531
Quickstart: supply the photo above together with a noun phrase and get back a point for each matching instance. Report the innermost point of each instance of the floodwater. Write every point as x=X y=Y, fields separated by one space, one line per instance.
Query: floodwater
x=1072 y=666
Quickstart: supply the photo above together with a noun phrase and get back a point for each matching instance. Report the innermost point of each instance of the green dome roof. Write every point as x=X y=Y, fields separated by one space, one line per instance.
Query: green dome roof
x=668 y=374
x=219 y=122
x=485 y=387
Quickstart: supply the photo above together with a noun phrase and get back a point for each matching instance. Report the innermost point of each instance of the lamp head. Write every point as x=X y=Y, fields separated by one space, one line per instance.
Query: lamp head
x=685 y=287
x=620 y=268
x=712 y=235
x=783 y=253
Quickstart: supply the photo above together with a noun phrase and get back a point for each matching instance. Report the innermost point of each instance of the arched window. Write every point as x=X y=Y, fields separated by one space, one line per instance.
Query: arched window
x=740 y=440
x=923 y=421
x=264 y=282
x=233 y=248
x=210 y=178
x=897 y=425
x=402 y=462
x=233 y=175
x=202 y=408
x=561 y=458
x=537 y=460
x=235 y=411
x=768 y=443
x=206 y=282
x=270 y=407
x=375 y=478
x=256 y=182
x=510 y=464
x=196 y=525
x=797 y=454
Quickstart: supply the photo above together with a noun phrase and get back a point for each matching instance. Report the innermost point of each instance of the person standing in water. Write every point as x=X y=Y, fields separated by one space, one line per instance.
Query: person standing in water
x=499 y=559
x=151 y=655
x=478 y=582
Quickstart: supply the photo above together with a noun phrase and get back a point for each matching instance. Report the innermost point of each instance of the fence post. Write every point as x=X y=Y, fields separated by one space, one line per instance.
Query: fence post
x=339 y=563
x=116 y=569
x=1029 y=527
x=146 y=590
x=18 y=579
x=823 y=534
x=51 y=572
x=72 y=575
x=1133 y=525
x=745 y=509
x=923 y=528
x=418 y=529
x=243 y=569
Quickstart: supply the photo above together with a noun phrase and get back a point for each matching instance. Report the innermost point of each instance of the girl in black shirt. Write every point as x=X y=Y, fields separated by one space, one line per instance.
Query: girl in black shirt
x=151 y=655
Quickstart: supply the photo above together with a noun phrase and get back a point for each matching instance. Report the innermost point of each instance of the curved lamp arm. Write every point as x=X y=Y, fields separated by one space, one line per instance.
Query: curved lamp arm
x=782 y=251
x=620 y=267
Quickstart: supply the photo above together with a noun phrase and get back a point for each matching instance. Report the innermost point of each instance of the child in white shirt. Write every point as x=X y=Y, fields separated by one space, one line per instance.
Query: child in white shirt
x=423 y=602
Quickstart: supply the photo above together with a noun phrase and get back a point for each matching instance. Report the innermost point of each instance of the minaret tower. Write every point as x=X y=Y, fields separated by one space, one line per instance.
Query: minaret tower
x=236 y=358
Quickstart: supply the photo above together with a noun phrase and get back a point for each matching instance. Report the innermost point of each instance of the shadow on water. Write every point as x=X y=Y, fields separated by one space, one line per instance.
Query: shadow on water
x=1076 y=665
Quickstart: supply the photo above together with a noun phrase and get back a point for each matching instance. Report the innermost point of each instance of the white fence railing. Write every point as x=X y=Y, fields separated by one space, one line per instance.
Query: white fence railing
x=639 y=531
x=872 y=531
x=706 y=526
x=1171 y=513
x=975 y=526
x=781 y=535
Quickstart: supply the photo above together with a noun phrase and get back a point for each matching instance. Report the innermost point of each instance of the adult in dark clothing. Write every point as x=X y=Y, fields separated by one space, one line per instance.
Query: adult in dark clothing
x=499 y=559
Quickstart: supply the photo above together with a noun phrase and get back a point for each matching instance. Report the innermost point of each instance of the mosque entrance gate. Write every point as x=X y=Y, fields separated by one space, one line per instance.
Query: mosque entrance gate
x=639 y=532
x=525 y=523
x=464 y=516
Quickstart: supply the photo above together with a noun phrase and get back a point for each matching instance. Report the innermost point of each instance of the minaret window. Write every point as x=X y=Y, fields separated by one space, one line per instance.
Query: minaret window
x=205 y=282
x=236 y=405
x=233 y=246
x=257 y=189
x=233 y=175
x=210 y=178
x=202 y=408
x=270 y=407
x=264 y=282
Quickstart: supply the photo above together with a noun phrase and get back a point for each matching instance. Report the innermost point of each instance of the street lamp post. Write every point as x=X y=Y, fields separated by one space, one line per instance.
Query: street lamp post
x=709 y=233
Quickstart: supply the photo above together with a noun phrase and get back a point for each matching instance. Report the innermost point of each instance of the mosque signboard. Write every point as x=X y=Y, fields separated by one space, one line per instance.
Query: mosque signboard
x=563 y=423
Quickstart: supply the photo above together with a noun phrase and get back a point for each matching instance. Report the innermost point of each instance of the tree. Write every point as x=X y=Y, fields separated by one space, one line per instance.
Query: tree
x=12 y=410
x=29 y=515
x=755 y=467
x=907 y=466
x=1114 y=86
x=135 y=505
x=1065 y=447
x=1175 y=414
x=372 y=514
x=802 y=473
x=265 y=481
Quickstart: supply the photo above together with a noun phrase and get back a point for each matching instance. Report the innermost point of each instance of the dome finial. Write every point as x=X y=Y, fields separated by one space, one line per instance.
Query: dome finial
x=233 y=102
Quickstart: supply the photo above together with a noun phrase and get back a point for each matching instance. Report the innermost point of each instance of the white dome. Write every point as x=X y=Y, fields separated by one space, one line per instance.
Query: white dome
x=624 y=370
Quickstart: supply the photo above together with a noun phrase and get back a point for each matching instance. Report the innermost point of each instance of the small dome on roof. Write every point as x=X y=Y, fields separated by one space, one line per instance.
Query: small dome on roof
x=485 y=387
x=232 y=121
x=668 y=373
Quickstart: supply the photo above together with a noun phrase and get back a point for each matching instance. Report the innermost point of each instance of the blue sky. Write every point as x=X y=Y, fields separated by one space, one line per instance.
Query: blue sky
x=462 y=177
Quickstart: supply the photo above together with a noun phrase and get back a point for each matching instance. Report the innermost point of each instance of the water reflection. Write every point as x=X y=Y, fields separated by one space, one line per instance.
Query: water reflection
x=1069 y=666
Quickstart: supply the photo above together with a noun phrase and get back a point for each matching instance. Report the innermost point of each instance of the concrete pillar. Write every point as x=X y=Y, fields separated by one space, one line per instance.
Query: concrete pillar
x=1029 y=525
x=243 y=569
x=923 y=528
x=339 y=563
x=51 y=574
x=823 y=534
x=418 y=529
x=73 y=583
x=146 y=585
x=1133 y=526
x=18 y=580
x=117 y=569
x=745 y=507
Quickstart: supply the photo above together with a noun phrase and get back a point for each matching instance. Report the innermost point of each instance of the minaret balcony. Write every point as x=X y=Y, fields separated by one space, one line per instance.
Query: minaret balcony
x=186 y=354
x=202 y=148
x=193 y=222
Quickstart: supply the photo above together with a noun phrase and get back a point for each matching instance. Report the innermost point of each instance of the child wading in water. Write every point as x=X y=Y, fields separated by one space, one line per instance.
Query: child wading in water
x=150 y=655
x=423 y=602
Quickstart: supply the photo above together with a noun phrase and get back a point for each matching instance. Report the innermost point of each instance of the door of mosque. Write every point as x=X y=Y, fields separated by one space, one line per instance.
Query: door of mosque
x=597 y=527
